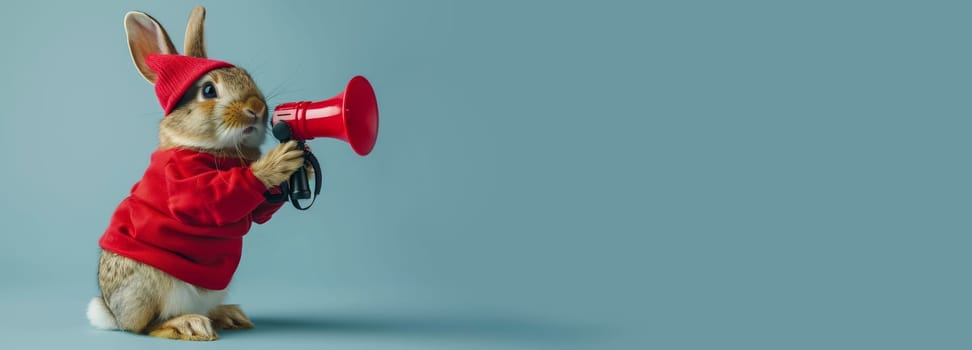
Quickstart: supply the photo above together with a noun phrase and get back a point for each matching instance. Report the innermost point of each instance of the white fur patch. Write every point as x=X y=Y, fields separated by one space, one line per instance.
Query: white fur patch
x=99 y=316
x=185 y=298
x=256 y=138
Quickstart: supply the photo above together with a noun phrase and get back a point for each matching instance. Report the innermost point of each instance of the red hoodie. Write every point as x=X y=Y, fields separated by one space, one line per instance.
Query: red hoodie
x=187 y=216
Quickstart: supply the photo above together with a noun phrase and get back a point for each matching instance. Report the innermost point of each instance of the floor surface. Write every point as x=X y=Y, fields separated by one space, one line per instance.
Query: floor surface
x=54 y=319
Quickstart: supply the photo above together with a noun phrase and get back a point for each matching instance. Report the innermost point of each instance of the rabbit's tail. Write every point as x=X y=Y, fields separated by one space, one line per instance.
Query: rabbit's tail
x=99 y=315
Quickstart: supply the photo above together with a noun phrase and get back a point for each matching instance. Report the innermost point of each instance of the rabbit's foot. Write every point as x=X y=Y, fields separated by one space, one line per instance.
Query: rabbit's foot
x=229 y=317
x=186 y=327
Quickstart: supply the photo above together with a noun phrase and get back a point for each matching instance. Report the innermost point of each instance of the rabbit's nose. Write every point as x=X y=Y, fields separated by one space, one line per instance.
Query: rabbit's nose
x=254 y=108
x=251 y=114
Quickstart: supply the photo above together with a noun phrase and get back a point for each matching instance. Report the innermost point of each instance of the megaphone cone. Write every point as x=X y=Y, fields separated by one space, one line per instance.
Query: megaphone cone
x=351 y=116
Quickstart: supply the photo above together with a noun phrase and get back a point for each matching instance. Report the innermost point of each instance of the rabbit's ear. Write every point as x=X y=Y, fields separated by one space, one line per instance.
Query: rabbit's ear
x=146 y=36
x=194 y=45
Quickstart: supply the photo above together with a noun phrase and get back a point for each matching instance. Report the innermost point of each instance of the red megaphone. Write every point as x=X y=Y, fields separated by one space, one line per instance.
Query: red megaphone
x=351 y=116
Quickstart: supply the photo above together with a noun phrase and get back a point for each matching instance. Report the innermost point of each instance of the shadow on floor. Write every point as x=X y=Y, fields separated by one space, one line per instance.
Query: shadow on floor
x=480 y=327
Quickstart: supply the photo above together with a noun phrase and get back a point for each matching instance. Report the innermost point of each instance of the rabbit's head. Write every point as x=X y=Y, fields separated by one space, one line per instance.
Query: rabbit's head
x=210 y=106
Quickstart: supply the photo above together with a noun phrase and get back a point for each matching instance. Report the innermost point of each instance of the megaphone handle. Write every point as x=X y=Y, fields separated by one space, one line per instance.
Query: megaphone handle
x=298 y=180
x=318 y=173
x=318 y=181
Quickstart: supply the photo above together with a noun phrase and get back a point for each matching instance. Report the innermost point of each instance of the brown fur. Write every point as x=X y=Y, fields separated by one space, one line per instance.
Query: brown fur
x=194 y=45
x=132 y=291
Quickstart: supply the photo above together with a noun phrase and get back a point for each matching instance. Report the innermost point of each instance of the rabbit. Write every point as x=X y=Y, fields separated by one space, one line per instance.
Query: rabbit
x=221 y=119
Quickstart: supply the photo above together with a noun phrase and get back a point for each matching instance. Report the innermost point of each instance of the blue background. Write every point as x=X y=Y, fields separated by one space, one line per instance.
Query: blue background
x=669 y=175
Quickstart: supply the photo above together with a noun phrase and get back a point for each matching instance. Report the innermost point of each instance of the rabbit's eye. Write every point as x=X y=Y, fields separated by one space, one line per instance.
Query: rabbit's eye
x=209 y=91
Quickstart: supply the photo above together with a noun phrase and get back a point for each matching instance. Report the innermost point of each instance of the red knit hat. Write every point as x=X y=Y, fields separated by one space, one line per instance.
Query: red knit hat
x=176 y=73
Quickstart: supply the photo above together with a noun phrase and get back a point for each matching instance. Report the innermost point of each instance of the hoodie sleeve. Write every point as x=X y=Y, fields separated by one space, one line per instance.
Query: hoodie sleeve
x=200 y=195
x=264 y=211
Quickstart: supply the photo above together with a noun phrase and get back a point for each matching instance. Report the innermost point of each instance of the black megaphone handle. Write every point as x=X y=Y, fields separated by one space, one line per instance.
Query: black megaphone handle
x=318 y=180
